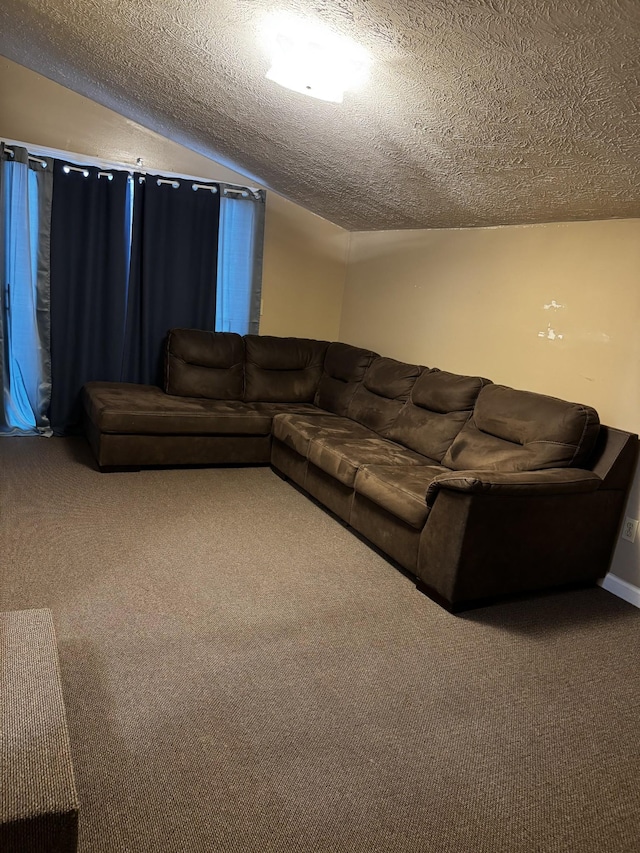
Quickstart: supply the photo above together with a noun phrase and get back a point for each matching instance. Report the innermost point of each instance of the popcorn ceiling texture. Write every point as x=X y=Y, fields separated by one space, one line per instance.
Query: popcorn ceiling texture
x=476 y=113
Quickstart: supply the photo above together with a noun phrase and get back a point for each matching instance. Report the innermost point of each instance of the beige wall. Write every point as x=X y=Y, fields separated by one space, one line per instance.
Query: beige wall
x=304 y=272
x=481 y=301
x=304 y=255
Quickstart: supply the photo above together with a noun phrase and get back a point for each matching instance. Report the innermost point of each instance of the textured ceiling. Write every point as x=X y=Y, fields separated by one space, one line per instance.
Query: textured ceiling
x=476 y=112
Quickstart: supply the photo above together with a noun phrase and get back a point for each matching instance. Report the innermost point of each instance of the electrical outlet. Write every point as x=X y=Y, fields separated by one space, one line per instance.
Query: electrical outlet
x=629 y=529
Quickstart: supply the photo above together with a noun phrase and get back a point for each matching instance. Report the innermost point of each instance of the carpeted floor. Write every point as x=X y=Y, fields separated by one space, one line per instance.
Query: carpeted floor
x=242 y=674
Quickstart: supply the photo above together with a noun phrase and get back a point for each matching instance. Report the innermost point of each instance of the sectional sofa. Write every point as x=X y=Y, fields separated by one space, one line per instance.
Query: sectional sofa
x=476 y=490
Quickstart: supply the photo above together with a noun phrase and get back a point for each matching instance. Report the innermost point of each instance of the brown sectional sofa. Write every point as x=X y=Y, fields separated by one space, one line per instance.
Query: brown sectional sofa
x=477 y=490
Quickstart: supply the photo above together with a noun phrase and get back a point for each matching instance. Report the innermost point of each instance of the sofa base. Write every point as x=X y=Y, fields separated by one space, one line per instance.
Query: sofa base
x=324 y=489
x=329 y=492
x=114 y=451
x=503 y=598
x=339 y=520
x=288 y=463
x=388 y=533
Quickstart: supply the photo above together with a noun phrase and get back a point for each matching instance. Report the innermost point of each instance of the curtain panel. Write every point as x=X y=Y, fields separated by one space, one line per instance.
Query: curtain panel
x=89 y=279
x=25 y=221
x=174 y=255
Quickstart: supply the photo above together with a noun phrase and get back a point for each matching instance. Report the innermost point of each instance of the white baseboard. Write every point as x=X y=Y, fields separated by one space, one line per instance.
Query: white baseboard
x=623 y=589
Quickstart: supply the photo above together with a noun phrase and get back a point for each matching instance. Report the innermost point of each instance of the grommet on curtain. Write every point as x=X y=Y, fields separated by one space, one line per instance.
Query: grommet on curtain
x=66 y=169
x=204 y=187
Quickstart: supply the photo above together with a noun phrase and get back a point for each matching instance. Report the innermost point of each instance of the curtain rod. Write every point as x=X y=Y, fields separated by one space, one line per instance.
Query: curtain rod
x=229 y=189
x=42 y=162
x=245 y=192
x=141 y=178
x=175 y=183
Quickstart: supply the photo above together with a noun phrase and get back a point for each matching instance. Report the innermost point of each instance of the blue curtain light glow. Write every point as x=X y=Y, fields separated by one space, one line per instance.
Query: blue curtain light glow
x=26 y=367
x=240 y=244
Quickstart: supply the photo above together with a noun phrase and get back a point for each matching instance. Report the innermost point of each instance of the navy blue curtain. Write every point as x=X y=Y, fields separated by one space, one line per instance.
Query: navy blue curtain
x=174 y=251
x=131 y=258
x=90 y=239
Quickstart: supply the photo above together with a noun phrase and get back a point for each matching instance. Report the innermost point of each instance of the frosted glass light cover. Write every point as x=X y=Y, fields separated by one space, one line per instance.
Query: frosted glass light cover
x=310 y=59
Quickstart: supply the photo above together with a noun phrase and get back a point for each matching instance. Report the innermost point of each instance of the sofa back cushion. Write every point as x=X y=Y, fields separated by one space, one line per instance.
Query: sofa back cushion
x=204 y=364
x=384 y=390
x=521 y=431
x=344 y=369
x=282 y=370
x=439 y=406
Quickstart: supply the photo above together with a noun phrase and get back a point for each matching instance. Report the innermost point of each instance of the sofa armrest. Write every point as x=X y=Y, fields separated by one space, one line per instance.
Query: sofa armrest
x=490 y=534
x=552 y=481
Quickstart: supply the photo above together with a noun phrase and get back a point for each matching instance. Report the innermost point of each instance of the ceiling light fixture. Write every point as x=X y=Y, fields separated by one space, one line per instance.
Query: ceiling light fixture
x=310 y=59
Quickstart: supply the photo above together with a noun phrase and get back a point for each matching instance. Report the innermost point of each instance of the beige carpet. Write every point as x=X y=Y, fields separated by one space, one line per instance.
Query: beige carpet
x=242 y=674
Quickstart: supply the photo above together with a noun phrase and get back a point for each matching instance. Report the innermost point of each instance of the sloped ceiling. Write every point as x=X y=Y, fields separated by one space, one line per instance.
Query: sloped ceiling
x=476 y=112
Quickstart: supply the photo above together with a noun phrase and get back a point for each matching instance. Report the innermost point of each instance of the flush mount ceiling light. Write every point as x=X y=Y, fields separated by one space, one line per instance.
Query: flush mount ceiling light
x=310 y=59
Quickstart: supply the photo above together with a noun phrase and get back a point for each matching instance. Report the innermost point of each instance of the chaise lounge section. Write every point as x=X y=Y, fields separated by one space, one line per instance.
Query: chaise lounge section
x=475 y=489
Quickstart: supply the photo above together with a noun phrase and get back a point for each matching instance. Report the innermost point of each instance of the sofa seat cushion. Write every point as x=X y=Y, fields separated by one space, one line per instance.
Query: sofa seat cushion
x=400 y=489
x=273 y=409
x=125 y=408
x=342 y=458
x=297 y=431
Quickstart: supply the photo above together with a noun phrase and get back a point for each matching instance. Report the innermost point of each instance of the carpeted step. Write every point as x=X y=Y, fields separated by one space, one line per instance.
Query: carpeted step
x=38 y=799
